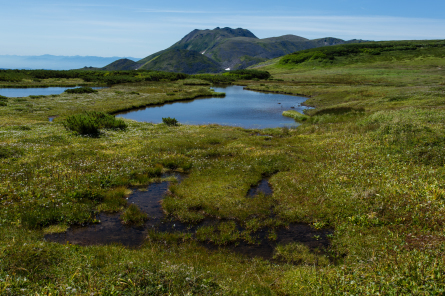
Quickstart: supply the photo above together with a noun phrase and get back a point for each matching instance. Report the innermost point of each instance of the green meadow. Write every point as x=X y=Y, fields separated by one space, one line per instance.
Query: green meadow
x=366 y=163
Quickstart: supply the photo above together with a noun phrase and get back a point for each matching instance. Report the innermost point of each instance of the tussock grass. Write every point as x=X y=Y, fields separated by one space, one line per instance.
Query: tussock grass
x=295 y=115
x=133 y=215
x=114 y=200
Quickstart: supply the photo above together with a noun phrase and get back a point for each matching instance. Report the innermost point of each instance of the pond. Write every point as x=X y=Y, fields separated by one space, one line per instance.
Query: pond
x=37 y=91
x=240 y=107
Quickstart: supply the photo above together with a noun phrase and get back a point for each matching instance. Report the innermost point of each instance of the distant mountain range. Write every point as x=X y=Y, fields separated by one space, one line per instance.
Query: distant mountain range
x=213 y=51
x=52 y=62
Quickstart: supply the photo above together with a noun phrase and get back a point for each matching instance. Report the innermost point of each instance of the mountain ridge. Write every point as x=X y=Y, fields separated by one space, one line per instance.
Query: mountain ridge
x=231 y=48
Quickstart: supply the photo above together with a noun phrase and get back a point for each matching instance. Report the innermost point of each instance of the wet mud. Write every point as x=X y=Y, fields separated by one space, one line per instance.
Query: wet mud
x=110 y=230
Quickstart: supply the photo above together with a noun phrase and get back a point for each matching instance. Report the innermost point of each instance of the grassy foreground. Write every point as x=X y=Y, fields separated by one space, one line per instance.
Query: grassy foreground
x=367 y=162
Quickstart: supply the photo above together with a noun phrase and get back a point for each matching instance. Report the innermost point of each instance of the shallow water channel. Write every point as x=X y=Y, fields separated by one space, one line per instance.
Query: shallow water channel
x=36 y=91
x=240 y=107
x=111 y=230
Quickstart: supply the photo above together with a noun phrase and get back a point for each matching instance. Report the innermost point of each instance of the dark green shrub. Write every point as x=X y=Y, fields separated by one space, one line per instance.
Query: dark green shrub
x=81 y=90
x=3 y=103
x=3 y=98
x=215 y=79
x=90 y=123
x=170 y=121
x=248 y=74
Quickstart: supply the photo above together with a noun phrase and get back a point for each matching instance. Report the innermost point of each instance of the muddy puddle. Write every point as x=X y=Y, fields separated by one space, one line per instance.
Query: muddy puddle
x=262 y=187
x=110 y=229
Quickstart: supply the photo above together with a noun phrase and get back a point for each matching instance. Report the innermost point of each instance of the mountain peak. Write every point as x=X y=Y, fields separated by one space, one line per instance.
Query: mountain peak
x=213 y=50
x=211 y=36
x=238 y=32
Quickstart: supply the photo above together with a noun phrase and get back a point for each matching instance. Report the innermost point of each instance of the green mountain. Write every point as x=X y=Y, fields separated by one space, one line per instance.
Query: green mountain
x=182 y=61
x=225 y=48
x=122 y=64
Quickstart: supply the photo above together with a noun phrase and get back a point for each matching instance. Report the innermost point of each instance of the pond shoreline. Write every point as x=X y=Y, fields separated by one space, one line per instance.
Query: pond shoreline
x=53 y=85
x=32 y=92
x=281 y=92
x=241 y=107
x=144 y=106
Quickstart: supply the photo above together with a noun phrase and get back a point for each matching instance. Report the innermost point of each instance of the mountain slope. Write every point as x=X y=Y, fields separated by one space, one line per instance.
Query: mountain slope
x=182 y=61
x=122 y=64
x=241 y=52
x=201 y=40
x=226 y=48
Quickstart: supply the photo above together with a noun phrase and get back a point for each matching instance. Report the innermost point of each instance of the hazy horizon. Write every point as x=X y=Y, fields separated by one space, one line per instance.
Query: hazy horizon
x=52 y=62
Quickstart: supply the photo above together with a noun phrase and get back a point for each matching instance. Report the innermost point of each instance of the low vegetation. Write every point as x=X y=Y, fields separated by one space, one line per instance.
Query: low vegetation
x=45 y=78
x=296 y=115
x=170 y=121
x=90 y=123
x=367 y=163
x=80 y=90
x=367 y=52
x=133 y=215
x=248 y=74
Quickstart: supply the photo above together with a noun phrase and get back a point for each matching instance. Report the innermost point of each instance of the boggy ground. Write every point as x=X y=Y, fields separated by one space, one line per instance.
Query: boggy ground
x=374 y=176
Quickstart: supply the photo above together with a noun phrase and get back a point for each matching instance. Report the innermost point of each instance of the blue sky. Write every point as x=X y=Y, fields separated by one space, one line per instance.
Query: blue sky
x=139 y=28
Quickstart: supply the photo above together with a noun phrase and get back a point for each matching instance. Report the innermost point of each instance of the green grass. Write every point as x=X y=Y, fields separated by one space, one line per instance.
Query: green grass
x=133 y=215
x=368 y=163
x=105 y=100
x=114 y=200
x=295 y=115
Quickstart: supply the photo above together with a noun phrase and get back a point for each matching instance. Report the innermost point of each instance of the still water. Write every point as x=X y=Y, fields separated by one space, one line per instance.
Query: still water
x=243 y=108
x=111 y=230
x=38 y=91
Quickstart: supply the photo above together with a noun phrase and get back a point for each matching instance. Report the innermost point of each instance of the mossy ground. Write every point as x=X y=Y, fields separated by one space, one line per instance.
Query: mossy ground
x=375 y=177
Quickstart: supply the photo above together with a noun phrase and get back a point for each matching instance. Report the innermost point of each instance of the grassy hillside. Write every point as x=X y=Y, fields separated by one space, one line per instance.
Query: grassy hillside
x=366 y=165
x=122 y=64
x=230 y=48
x=182 y=61
x=201 y=40
x=240 y=53
x=367 y=52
